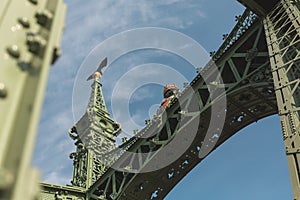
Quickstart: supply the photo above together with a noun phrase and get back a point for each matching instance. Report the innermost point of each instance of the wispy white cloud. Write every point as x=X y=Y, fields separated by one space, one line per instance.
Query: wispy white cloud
x=141 y=94
x=56 y=177
x=53 y=145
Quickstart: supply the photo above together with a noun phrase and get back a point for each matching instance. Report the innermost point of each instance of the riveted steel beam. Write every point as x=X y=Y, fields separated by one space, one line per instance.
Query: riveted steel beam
x=283 y=38
x=27 y=51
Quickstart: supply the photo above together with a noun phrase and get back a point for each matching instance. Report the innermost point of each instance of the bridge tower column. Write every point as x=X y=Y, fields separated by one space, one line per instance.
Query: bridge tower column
x=30 y=42
x=282 y=27
x=94 y=139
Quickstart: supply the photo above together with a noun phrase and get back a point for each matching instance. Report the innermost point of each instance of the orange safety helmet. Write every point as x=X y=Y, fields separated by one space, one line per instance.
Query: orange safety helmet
x=170 y=87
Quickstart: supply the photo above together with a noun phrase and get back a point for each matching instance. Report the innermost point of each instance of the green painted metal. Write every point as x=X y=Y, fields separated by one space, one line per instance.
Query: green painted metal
x=243 y=61
x=243 y=23
x=26 y=54
x=262 y=8
x=283 y=37
x=58 y=192
x=250 y=67
x=258 y=62
x=94 y=135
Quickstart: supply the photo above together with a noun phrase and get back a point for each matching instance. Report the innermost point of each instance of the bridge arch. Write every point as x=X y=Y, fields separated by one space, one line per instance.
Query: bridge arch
x=243 y=61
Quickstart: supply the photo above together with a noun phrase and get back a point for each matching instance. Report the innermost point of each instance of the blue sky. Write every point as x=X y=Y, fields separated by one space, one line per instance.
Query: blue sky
x=250 y=165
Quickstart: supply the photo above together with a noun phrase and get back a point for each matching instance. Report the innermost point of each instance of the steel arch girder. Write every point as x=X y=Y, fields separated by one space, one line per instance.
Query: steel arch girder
x=248 y=83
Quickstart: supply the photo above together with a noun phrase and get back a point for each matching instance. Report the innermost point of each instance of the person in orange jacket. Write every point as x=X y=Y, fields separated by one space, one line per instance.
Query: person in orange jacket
x=169 y=92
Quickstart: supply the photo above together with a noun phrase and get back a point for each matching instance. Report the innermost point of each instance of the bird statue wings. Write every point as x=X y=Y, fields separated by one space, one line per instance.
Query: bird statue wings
x=98 y=72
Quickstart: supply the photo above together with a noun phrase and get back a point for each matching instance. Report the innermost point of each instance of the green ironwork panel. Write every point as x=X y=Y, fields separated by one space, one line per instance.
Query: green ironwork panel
x=283 y=37
x=32 y=31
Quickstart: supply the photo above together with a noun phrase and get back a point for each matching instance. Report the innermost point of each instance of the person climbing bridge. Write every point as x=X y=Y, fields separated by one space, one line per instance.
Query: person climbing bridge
x=169 y=92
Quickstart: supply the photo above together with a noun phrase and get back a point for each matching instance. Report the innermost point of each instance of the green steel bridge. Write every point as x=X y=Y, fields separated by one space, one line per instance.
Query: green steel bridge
x=258 y=64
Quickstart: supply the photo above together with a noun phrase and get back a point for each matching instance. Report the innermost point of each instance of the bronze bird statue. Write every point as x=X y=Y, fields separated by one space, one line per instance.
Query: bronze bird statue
x=98 y=72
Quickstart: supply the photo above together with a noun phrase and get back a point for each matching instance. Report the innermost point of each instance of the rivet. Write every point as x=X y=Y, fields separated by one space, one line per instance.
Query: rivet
x=198 y=70
x=3 y=91
x=35 y=43
x=24 y=22
x=14 y=51
x=33 y=1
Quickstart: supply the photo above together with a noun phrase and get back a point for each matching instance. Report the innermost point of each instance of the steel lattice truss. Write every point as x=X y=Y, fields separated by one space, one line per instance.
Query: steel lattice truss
x=283 y=36
x=258 y=63
x=247 y=79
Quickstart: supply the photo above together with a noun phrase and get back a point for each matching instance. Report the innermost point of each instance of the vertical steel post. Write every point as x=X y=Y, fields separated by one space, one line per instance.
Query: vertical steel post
x=31 y=31
x=282 y=28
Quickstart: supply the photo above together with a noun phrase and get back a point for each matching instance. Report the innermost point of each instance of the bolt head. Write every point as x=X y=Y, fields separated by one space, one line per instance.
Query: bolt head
x=24 y=22
x=33 y=1
x=14 y=51
x=3 y=91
